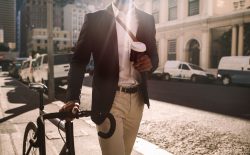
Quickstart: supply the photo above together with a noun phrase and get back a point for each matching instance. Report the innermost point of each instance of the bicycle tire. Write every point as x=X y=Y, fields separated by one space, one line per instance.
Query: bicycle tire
x=27 y=148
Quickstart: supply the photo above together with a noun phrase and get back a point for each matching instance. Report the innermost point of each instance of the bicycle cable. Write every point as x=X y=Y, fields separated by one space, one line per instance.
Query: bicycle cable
x=60 y=132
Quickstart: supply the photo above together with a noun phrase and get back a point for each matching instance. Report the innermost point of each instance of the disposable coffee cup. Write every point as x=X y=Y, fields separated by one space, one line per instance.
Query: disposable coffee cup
x=137 y=50
x=138 y=46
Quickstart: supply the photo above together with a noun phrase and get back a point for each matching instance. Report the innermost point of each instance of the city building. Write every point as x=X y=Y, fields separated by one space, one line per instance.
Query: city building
x=38 y=39
x=74 y=14
x=8 y=21
x=73 y=19
x=33 y=14
x=200 y=31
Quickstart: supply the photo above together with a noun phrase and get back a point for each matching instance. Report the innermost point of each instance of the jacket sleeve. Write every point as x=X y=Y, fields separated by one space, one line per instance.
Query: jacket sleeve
x=153 y=49
x=80 y=59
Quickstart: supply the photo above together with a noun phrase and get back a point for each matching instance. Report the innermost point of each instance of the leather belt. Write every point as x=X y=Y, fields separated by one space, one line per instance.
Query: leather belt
x=129 y=90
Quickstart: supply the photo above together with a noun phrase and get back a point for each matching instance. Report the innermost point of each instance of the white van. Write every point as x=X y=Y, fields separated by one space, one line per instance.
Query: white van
x=186 y=71
x=234 y=69
x=61 y=68
x=26 y=70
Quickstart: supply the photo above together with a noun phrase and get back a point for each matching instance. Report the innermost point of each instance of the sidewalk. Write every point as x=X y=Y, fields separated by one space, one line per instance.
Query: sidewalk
x=18 y=106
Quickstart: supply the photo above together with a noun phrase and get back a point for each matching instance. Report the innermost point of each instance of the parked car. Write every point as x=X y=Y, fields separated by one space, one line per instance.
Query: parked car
x=185 y=71
x=15 y=66
x=157 y=74
x=61 y=68
x=26 y=70
x=5 y=64
x=234 y=69
x=14 y=69
x=90 y=67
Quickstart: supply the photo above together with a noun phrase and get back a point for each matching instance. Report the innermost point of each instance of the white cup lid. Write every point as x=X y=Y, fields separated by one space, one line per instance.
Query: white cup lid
x=138 y=46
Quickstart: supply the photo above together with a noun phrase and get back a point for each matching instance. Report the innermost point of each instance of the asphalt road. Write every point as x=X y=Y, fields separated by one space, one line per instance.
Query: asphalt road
x=228 y=100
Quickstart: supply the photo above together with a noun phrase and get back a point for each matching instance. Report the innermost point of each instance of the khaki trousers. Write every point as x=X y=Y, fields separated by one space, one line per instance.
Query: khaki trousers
x=127 y=110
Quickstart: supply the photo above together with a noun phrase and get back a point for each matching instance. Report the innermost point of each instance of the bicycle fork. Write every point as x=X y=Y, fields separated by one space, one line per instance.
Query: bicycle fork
x=68 y=148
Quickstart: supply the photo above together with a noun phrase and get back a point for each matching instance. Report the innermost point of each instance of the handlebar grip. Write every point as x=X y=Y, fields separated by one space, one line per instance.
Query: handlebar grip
x=112 y=127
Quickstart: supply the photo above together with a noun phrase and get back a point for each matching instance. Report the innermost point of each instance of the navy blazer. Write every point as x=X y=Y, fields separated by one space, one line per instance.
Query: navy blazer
x=99 y=38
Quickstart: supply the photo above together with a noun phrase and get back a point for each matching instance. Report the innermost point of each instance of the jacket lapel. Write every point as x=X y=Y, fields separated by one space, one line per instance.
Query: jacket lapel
x=113 y=35
x=139 y=32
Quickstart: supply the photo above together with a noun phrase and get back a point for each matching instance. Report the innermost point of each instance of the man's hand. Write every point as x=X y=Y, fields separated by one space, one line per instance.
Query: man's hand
x=68 y=107
x=143 y=64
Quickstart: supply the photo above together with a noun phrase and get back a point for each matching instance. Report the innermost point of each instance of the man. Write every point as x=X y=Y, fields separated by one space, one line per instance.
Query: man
x=119 y=85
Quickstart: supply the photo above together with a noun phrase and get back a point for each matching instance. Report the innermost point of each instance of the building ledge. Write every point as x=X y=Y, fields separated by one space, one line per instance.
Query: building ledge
x=204 y=21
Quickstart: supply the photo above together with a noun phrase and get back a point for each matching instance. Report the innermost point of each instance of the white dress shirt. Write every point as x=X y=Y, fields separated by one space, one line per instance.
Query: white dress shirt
x=128 y=75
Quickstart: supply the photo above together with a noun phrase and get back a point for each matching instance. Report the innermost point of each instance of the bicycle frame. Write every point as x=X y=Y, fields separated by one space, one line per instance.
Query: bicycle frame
x=67 y=127
x=69 y=147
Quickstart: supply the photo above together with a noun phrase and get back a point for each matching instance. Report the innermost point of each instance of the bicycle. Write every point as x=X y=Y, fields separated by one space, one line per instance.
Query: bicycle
x=34 y=135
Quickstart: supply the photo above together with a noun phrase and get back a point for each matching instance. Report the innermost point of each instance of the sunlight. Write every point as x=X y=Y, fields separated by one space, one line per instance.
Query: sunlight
x=220 y=3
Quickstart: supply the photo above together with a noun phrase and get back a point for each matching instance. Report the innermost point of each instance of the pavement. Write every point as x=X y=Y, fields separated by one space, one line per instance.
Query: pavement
x=18 y=106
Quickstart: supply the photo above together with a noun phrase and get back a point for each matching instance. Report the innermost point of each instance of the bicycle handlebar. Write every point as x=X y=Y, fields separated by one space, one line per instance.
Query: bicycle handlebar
x=38 y=86
x=76 y=113
x=82 y=113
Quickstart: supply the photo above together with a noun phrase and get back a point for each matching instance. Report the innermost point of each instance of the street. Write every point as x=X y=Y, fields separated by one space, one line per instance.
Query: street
x=192 y=56
x=229 y=100
x=184 y=118
x=19 y=105
x=187 y=118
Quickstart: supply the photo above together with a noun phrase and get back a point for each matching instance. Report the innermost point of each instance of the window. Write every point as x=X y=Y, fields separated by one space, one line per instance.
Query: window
x=172 y=49
x=180 y=66
x=38 y=61
x=45 y=59
x=196 y=67
x=62 y=59
x=172 y=10
x=193 y=7
x=185 y=67
x=38 y=41
x=26 y=65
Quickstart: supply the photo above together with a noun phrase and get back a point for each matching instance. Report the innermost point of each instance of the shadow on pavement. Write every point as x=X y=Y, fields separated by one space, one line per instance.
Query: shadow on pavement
x=28 y=99
x=233 y=101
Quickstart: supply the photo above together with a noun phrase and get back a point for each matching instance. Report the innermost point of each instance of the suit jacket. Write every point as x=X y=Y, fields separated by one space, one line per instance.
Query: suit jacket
x=99 y=37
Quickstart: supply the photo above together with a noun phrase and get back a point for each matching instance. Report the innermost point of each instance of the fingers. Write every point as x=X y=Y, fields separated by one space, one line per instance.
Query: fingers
x=143 y=64
x=70 y=107
x=75 y=109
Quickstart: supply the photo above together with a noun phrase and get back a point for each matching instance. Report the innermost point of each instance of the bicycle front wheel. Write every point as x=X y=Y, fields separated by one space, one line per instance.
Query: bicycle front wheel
x=30 y=137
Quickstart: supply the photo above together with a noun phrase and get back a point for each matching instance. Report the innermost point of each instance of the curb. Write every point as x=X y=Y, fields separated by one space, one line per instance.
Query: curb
x=142 y=146
x=146 y=148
